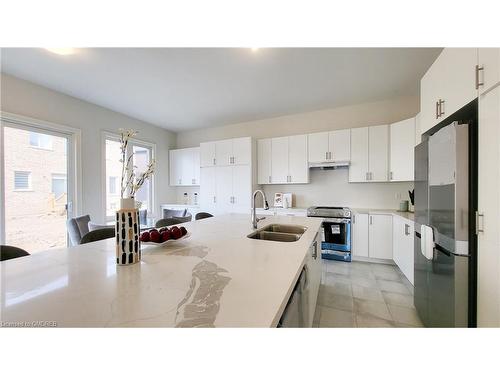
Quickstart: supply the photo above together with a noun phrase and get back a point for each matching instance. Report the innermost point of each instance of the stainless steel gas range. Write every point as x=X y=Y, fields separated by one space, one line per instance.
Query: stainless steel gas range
x=336 y=231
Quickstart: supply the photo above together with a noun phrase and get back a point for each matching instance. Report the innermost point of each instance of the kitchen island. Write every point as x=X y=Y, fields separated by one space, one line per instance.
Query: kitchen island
x=217 y=277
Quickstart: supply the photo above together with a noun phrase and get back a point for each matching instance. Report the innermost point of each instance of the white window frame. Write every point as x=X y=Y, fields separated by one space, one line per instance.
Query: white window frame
x=74 y=158
x=30 y=186
x=106 y=135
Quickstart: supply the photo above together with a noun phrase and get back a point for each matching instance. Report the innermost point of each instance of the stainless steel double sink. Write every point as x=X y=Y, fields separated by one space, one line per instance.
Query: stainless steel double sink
x=279 y=232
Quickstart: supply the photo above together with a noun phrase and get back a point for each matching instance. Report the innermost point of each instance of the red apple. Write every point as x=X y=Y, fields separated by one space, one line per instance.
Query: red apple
x=175 y=233
x=145 y=237
x=165 y=236
x=155 y=236
x=183 y=231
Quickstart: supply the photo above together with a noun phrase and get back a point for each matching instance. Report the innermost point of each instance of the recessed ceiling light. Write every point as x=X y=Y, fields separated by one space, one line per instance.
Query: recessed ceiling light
x=62 y=51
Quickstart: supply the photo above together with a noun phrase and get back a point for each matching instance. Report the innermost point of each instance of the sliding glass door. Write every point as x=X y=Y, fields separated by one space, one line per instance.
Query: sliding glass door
x=36 y=197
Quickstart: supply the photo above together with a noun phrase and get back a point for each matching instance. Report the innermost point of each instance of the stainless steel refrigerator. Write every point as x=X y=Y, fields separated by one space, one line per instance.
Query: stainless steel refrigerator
x=442 y=278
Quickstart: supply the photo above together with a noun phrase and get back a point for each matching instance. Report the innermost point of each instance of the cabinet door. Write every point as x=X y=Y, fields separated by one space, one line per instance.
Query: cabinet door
x=459 y=79
x=339 y=143
x=378 y=153
x=224 y=152
x=418 y=133
x=318 y=147
x=187 y=161
x=402 y=150
x=358 y=169
x=408 y=255
x=264 y=161
x=208 y=190
x=196 y=165
x=380 y=236
x=175 y=167
x=207 y=154
x=298 y=167
x=430 y=92
x=242 y=189
x=488 y=304
x=242 y=151
x=489 y=61
x=279 y=167
x=224 y=189
x=397 y=241
x=360 y=235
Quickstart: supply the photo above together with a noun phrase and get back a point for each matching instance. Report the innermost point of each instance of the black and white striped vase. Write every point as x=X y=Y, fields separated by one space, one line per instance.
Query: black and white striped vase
x=128 y=247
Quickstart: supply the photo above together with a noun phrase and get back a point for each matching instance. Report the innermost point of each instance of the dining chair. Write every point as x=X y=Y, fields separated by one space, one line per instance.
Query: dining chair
x=168 y=221
x=202 y=215
x=97 y=235
x=184 y=219
x=77 y=228
x=168 y=213
x=11 y=252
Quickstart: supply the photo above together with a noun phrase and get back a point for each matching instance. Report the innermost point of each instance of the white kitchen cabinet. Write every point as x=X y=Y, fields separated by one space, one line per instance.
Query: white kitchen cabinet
x=488 y=277
x=448 y=85
x=242 y=189
x=185 y=167
x=236 y=151
x=380 y=236
x=314 y=266
x=358 y=169
x=402 y=144
x=488 y=74
x=298 y=168
x=208 y=190
x=264 y=158
x=360 y=235
x=418 y=133
x=378 y=153
x=318 y=147
x=402 y=240
x=331 y=146
x=279 y=160
x=207 y=154
x=224 y=188
x=285 y=158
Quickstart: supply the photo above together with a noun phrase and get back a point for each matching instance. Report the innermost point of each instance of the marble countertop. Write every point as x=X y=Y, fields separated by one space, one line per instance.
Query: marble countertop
x=407 y=215
x=216 y=277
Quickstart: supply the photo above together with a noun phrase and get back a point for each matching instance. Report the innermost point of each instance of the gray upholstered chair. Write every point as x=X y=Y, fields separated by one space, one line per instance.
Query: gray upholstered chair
x=168 y=221
x=94 y=226
x=183 y=219
x=11 y=252
x=97 y=235
x=167 y=213
x=77 y=228
x=202 y=215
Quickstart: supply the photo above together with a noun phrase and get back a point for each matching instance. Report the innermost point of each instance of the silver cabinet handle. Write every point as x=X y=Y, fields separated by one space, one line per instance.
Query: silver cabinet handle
x=214 y=199
x=479 y=229
x=269 y=179
x=366 y=177
x=437 y=110
x=180 y=181
x=441 y=112
x=390 y=175
x=331 y=157
x=478 y=84
x=214 y=161
x=354 y=219
x=407 y=230
x=371 y=220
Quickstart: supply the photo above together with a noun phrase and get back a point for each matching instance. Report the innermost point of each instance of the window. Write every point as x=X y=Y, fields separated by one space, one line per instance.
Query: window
x=113 y=181
x=143 y=154
x=58 y=185
x=41 y=140
x=22 y=180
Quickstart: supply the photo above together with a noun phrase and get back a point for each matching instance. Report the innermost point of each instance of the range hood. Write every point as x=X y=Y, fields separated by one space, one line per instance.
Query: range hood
x=330 y=165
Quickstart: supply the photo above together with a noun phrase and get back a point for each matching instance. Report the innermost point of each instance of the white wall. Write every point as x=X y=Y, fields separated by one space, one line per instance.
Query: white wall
x=329 y=187
x=28 y=99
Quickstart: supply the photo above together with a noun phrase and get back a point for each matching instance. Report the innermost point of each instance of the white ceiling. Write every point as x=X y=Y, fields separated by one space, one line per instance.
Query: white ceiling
x=181 y=89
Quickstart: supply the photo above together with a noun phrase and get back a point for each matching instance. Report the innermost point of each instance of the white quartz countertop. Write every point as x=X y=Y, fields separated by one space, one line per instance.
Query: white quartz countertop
x=216 y=277
x=381 y=211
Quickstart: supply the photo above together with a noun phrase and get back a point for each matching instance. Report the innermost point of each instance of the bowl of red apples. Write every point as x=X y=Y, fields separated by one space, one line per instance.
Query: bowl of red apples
x=163 y=235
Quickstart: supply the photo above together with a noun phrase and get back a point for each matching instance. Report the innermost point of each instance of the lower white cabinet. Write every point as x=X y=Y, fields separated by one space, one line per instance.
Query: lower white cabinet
x=402 y=239
x=372 y=236
x=360 y=235
x=314 y=276
x=380 y=236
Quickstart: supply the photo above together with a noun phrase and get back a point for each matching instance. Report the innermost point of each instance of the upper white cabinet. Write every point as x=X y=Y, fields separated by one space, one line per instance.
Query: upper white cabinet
x=380 y=236
x=369 y=154
x=235 y=151
x=283 y=160
x=488 y=69
x=185 y=167
x=402 y=143
x=331 y=146
x=449 y=84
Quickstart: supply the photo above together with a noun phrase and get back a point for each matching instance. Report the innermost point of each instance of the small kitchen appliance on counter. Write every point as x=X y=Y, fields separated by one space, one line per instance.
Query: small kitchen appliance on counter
x=336 y=232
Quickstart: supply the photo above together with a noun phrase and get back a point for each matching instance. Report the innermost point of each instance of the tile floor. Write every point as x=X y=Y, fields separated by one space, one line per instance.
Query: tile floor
x=360 y=294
